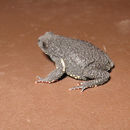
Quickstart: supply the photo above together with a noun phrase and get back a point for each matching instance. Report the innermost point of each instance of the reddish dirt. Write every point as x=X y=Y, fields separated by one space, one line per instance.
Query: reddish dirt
x=25 y=105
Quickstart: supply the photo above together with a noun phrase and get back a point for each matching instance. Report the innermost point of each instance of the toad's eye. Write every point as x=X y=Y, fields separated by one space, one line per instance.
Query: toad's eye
x=44 y=45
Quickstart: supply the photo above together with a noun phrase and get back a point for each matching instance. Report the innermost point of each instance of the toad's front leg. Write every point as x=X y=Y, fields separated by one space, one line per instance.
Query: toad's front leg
x=54 y=75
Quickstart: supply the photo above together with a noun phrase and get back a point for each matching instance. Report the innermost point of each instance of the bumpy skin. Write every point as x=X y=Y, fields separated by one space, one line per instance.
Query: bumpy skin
x=78 y=59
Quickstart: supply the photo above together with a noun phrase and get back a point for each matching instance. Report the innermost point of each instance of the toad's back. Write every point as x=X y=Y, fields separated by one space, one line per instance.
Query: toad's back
x=82 y=53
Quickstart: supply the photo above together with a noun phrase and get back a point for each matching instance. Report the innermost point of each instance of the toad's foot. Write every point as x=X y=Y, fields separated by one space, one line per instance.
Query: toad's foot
x=82 y=87
x=43 y=80
x=78 y=87
x=85 y=85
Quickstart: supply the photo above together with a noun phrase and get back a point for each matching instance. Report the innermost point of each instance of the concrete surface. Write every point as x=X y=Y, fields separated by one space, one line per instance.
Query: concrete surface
x=25 y=105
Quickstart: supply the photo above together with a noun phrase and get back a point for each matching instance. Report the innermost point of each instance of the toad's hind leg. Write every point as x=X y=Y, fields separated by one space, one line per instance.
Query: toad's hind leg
x=98 y=77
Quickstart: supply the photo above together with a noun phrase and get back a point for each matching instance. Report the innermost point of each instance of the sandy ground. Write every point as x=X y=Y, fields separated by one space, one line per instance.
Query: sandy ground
x=25 y=105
